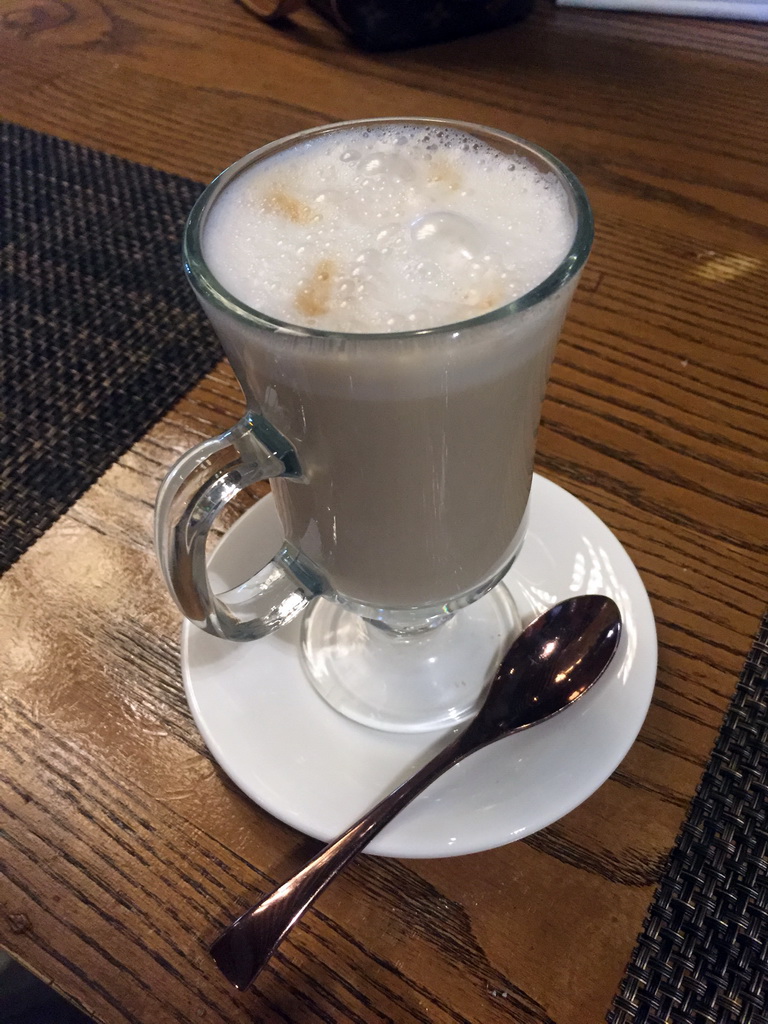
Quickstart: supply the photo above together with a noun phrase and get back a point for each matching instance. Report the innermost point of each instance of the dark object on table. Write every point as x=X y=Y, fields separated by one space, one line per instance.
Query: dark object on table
x=24 y=999
x=398 y=24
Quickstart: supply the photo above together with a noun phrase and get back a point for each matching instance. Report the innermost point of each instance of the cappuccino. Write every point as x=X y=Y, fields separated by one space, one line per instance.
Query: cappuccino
x=416 y=449
x=387 y=229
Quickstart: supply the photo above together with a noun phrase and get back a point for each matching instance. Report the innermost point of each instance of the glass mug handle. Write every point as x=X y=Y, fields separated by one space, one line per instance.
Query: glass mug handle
x=193 y=493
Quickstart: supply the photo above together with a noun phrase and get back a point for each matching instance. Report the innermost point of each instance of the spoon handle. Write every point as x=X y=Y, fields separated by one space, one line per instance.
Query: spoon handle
x=243 y=948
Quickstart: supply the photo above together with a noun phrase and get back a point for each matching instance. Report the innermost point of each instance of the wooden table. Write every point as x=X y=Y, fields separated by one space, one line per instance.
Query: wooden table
x=127 y=848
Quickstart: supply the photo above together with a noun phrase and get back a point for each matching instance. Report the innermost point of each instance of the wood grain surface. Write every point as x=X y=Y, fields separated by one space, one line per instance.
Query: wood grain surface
x=126 y=848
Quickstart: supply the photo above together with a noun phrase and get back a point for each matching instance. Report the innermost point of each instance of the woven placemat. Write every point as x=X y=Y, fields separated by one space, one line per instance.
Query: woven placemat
x=703 y=955
x=99 y=332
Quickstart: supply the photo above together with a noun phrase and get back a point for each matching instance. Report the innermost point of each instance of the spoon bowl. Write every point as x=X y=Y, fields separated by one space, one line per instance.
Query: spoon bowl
x=551 y=664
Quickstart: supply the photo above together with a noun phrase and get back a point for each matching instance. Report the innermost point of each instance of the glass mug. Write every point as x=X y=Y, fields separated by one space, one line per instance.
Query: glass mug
x=401 y=467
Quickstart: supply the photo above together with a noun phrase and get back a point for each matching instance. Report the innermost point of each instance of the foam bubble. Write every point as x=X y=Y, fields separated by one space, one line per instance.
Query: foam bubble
x=386 y=229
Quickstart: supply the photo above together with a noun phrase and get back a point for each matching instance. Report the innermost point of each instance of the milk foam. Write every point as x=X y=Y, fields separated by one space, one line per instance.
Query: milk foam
x=383 y=229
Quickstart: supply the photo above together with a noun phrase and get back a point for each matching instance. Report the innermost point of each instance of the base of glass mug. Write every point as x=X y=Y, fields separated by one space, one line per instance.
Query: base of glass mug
x=407 y=683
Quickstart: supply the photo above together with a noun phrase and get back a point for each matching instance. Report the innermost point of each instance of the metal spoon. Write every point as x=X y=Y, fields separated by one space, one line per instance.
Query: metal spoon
x=549 y=666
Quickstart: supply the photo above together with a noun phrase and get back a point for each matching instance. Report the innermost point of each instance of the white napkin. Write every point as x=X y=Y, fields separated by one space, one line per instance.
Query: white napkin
x=744 y=10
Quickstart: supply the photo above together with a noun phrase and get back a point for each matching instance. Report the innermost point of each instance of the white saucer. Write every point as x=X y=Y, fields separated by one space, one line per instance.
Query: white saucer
x=317 y=771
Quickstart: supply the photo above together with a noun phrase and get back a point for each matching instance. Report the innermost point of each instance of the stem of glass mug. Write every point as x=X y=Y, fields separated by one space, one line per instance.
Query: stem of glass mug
x=404 y=631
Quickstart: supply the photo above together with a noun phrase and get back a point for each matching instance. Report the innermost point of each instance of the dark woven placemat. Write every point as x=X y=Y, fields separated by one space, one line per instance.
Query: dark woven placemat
x=99 y=332
x=703 y=955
